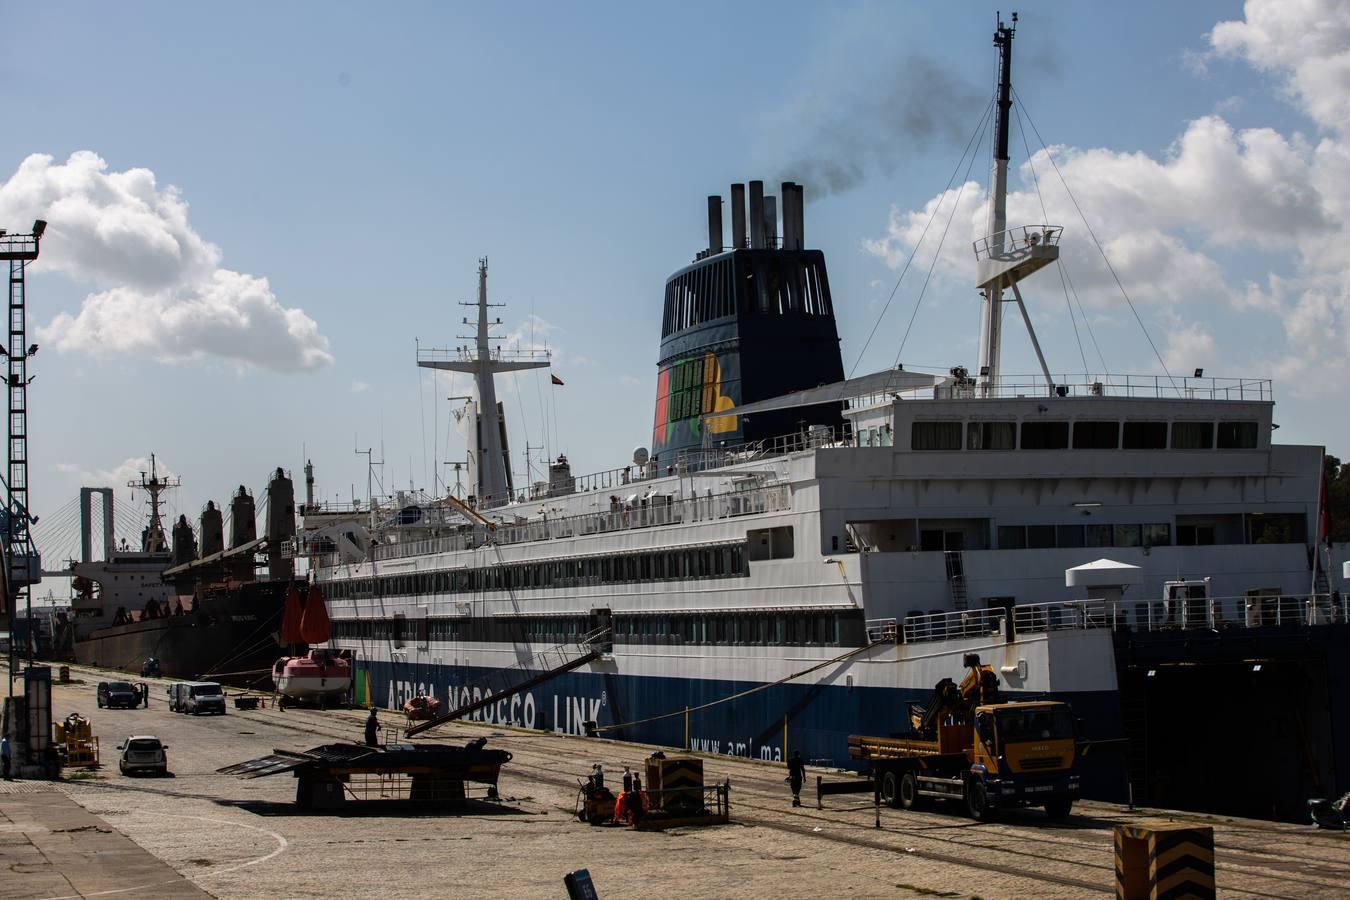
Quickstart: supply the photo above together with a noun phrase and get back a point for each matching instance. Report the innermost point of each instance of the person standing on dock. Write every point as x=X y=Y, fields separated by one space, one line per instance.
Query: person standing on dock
x=372 y=729
x=5 y=757
x=796 y=775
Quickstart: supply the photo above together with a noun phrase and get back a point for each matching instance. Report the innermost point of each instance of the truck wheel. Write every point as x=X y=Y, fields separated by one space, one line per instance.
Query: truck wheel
x=909 y=791
x=977 y=802
x=1059 y=807
x=890 y=789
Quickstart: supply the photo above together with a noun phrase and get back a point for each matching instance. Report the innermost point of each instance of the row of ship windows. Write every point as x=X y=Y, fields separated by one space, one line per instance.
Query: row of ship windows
x=746 y=628
x=721 y=561
x=1084 y=435
x=1039 y=537
x=1267 y=528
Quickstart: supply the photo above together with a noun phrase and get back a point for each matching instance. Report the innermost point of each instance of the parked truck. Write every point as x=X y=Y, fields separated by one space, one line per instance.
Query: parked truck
x=969 y=743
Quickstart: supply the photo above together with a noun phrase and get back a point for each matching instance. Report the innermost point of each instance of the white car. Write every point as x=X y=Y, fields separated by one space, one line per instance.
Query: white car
x=142 y=753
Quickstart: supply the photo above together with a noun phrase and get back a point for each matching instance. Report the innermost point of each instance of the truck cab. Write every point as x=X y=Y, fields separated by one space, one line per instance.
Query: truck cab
x=1024 y=754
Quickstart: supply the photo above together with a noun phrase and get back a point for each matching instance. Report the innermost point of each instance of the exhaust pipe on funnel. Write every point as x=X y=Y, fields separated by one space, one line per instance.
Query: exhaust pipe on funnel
x=714 y=224
x=738 y=216
x=756 y=215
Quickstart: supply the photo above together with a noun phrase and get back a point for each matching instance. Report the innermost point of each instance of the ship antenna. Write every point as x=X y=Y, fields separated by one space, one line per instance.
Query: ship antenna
x=153 y=539
x=483 y=362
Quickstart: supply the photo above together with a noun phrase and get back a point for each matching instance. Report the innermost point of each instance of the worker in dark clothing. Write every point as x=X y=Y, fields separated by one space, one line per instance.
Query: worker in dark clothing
x=5 y=757
x=372 y=729
x=637 y=806
x=796 y=775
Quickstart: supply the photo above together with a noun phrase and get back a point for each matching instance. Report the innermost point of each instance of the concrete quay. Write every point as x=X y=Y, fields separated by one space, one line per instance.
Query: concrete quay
x=200 y=833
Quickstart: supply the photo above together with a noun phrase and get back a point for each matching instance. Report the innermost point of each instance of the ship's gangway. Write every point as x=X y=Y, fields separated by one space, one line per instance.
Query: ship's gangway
x=534 y=671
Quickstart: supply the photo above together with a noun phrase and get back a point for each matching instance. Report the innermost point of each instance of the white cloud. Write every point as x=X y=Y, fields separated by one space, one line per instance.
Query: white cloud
x=118 y=476
x=1216 y=195
x=360 y=387
x=1189 y=345
x=1304 y=42
x=160 y=288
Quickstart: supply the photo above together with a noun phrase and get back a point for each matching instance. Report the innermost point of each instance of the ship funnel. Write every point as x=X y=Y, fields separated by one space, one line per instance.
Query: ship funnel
x=756 y=215
x=280 y=507
x=213 y=530
x=184 y=542
x=243 y=528
x=280 y=525
x=770 y=222
x=738 y=216
x=714 y=224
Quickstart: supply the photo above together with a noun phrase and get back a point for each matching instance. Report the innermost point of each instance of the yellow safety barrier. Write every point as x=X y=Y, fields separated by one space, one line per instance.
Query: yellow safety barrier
x=1164 y=862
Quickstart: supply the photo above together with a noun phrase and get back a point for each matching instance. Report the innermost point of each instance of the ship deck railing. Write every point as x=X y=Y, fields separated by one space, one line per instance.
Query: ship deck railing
x=1019 y=237
x=1137 y=387
x=713 y=456
x=659 y=509
x=881 y=631
x=1247 y=611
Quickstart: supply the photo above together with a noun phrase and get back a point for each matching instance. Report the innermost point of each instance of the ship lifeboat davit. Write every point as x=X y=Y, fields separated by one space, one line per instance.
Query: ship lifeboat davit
x=320 y=676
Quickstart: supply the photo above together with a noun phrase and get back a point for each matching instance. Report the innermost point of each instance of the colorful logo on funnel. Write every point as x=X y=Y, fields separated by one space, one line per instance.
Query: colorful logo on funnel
x=687 y=390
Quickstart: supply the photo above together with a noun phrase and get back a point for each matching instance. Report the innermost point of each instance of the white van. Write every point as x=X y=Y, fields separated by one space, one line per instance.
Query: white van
x=196 y=697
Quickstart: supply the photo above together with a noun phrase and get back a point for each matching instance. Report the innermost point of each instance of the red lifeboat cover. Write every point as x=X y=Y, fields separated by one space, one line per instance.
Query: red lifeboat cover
x=290 y=617
x=315 y=627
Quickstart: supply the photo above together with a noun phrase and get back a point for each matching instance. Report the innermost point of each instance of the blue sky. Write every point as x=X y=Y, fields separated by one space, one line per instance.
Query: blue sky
x=361 y=160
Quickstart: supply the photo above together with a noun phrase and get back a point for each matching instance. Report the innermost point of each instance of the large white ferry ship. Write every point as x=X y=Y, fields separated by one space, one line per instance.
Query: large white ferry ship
x=798 y=556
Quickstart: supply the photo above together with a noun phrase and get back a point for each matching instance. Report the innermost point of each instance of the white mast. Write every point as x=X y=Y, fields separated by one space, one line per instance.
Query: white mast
x=991 y=309
x=494 y=473
x=1006 y=256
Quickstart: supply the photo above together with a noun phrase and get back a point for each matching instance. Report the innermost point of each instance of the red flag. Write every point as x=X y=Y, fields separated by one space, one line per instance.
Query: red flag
x=315 y=627
x=290 y=617
x=556 y=379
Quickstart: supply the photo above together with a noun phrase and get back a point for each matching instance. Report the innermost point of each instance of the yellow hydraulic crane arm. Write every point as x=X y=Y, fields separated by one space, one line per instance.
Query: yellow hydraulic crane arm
x=980 y=686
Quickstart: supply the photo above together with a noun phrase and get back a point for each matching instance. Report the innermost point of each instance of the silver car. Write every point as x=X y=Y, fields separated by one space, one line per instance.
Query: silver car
x=142 y=753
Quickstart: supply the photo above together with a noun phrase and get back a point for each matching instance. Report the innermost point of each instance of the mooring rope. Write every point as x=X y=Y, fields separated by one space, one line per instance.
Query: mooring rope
x=745 y=693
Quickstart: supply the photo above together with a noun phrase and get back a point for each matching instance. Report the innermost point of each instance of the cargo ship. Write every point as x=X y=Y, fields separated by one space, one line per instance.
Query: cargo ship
x=197 y=614
x=797 y=556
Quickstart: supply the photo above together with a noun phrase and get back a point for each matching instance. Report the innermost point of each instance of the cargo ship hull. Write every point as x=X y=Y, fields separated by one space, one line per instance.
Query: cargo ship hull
x=231 y=639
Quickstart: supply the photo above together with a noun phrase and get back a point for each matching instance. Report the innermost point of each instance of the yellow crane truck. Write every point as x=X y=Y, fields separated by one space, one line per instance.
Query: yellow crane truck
x=969 y=743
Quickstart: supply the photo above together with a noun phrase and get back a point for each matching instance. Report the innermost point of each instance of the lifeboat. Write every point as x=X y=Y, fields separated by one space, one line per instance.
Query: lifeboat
x=320 y=676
